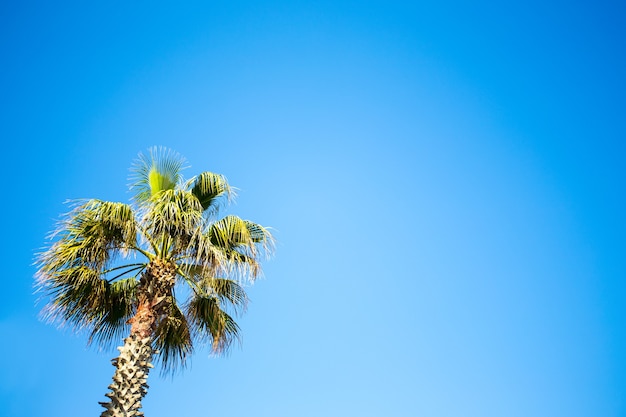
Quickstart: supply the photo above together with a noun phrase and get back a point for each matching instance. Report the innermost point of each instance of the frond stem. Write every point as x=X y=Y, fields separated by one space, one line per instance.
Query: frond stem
x=189 y=281
x=145 y=253
x=141 y=266
x=150 y=241
x=120 y=267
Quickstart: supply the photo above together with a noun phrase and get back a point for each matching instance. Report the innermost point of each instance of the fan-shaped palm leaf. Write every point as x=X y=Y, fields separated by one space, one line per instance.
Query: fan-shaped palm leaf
x=227 y=290
x=176 y=214
x=209 y=187
x=156 y=172
x=117 y=308
x=209 y=320
x=77 y=296
x=90 y=235
x=242 y=242
x=173 y=338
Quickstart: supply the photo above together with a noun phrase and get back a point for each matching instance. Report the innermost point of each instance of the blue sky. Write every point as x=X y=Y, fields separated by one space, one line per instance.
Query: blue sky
x=445 y=181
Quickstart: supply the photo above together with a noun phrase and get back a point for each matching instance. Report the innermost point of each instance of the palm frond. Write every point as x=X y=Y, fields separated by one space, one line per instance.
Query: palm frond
x=173 y=338
x=230 y=232
x=261 y=236
x=174 y=213
x=209 y=187
x=81 y=297
x=210 y=322
x=200 y=253
x=91 y=234
x=72 y=270
x=191 y=270
x=242 y=243
x=119 y=307
x=202 y=280
x=156 y=172
x=78 y=296
x=227 y=290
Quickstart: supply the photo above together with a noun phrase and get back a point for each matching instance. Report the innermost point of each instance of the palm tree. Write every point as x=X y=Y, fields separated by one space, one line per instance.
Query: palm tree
x=163 y=268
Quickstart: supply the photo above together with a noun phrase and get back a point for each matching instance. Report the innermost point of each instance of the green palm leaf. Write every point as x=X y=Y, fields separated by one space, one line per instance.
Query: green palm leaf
x=91 y=234
x=116 y=309
x=203 y=281
x=156 y=172
x=232 y=232
x=242 y=243
x=209 y=187
x=227 y=290
x=173 y=338
x=175 y=213
x=77 y=294
x=209 y=320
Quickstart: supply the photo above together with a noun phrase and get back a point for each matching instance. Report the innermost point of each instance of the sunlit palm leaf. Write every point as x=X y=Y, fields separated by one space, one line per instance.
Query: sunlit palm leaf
x=258 y=233
x=200 y=253
x=230 y=232
x=242 y=242
x=90 y=234
x=176 y=213
x=156 y=172
x=209 y=187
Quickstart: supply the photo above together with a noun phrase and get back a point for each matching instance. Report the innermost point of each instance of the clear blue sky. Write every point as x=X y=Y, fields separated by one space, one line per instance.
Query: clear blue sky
x=445 y=180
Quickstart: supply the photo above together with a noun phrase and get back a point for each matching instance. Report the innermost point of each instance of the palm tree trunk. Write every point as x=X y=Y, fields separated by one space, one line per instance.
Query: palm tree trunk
x=132 y=366
x=129 y=384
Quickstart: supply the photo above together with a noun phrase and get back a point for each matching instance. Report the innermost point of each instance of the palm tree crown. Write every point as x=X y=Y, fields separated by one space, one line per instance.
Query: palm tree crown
x=164 y=267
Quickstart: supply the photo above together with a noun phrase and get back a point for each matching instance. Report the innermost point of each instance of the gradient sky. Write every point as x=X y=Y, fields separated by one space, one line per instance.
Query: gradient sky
x=445 y=181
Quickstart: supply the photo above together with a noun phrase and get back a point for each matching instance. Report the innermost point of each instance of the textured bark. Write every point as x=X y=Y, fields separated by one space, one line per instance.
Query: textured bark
x=129 y=384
